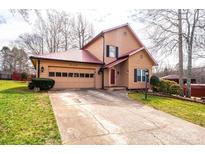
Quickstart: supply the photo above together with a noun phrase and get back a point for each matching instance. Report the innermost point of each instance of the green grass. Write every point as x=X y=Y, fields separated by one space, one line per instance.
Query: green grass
x=190 y=111
x=26 y=117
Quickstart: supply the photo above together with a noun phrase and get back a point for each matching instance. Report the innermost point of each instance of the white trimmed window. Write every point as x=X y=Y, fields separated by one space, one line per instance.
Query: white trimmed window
x=139 y=75
x=112 y=51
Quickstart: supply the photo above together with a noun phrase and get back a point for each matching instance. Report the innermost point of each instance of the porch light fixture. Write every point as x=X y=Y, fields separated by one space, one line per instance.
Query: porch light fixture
x=42 y=69
x=146 y=80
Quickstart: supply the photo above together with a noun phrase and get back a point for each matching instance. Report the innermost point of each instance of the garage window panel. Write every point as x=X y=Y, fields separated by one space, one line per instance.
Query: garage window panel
x=82 y=75
x=51 y=74
x=58 y=74
x=87 y=75
x=64 y=74
x=76 y=74
x=91 y=75
x=70 y=74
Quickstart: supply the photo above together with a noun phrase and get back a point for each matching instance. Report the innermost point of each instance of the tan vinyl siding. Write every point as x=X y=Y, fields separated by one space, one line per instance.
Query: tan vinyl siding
x=123 y=39
x=140 y=60
x=121 y=78
x=66 y=82
x=96 y=48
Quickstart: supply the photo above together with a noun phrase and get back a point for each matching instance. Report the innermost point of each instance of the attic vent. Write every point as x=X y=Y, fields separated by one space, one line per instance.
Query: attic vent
x=141 y=56
x=124 y=33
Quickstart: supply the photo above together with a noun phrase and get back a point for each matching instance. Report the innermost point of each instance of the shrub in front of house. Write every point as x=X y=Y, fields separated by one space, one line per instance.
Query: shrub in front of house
x=154 y=82
x=24 y=76
x=169 y=84
x=176 y=89
x=165 y=86
x=169 y=87
x=41 y=83
x=30 y=85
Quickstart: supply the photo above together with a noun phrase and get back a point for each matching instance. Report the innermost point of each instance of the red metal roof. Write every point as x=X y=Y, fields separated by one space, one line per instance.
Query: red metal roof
x=73 y=55
x=132 y=52
x=129 y=53
x=115 y=62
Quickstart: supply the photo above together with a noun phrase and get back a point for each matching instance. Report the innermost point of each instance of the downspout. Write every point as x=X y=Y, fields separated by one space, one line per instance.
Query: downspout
x=103 y=61
x=38 y=68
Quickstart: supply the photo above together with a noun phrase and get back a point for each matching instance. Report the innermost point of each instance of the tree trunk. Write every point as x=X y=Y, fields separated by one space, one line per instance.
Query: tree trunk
x=189 y=67
x=180 y=50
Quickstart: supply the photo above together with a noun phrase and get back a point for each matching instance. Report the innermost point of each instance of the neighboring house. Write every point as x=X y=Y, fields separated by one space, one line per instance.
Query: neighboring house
x=114 y=58
x=175 y=78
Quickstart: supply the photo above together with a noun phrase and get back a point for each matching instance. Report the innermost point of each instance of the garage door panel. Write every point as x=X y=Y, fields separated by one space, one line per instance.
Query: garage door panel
x=73 y=82
x=73 y=85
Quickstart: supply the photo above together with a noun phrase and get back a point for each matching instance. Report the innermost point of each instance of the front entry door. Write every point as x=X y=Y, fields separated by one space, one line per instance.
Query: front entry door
x=112 y=77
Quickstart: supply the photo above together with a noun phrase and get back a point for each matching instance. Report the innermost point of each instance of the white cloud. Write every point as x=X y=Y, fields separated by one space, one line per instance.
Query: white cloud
x=13 y=27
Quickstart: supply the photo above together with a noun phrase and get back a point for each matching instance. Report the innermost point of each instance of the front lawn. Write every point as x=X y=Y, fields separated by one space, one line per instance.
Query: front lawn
x=190 y=111
x=26 y=117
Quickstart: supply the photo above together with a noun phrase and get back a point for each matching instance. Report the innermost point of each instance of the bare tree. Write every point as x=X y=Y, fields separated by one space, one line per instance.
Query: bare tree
x=165 y=32
x=66 y=32
x=192 y=19
x=162 y=26
x=181 y=70
x=56 y=31
x=31 y=42
x=23 y=12
x=173 y=28
x=14 y=59
x=82 y=30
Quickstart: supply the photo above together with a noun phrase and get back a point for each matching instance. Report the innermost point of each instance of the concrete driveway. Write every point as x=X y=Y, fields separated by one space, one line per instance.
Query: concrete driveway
x=103 y=117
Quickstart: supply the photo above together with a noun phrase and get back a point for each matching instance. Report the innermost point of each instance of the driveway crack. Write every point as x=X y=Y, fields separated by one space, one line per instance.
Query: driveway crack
x=96 y=119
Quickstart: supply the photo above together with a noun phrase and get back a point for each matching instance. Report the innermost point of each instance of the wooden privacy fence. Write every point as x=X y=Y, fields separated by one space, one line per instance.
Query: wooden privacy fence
x=197 y=90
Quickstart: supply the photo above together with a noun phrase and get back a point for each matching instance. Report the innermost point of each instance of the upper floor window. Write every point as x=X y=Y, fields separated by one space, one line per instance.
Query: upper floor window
x=112 y=51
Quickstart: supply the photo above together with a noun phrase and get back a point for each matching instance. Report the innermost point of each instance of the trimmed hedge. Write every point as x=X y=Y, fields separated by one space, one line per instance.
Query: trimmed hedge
x=165 y=86
x=176 y=89
x=154 y=81
x=30 y=86
x=42 y=83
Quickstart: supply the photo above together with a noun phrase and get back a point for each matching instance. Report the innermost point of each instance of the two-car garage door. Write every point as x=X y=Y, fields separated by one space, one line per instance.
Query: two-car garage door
x=67 y=77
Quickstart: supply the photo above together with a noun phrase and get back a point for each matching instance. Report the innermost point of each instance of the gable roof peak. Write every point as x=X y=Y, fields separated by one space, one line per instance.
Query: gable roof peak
x=105 y=31
x=116 y=27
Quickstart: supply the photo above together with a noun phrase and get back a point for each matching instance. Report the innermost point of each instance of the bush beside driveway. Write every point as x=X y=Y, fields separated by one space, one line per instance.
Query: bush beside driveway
x=26 y=117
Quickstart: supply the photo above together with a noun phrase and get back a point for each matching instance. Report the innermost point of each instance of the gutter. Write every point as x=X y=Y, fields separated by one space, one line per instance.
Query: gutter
x=102 y=69
x=32 y=57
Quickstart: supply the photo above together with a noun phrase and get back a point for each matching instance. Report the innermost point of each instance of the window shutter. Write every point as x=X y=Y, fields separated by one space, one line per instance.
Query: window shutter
x=135 y=75
x=148 y=76
x=107 y=50
x=117 y=53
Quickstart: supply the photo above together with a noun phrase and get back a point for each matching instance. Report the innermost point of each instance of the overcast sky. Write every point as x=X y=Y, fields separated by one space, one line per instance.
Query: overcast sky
x=12 y=26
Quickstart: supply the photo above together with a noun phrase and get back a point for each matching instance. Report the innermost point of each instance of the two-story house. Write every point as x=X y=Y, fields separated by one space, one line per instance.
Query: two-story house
x=114 y=58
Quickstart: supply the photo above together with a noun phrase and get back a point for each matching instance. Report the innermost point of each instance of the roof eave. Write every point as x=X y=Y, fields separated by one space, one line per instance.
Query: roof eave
x=33 y=57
